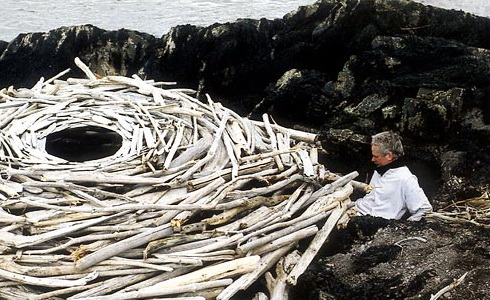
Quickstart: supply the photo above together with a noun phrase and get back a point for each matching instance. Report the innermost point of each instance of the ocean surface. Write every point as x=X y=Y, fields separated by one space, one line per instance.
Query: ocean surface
x=156 y=17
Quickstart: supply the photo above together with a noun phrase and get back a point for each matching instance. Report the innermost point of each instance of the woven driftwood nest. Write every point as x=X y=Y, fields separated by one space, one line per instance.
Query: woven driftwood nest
x=116 y=188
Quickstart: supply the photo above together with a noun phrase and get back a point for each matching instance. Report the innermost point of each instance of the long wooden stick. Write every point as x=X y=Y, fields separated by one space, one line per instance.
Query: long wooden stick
x=192 y=287
x=24 y=241
x=48 y=282
x=118 y=247
x=266 y=262
x=449 y=287
x=315 y=246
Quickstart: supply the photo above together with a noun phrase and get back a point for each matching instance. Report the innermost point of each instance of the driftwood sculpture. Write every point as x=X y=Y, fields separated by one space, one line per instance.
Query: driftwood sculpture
x=115 y=188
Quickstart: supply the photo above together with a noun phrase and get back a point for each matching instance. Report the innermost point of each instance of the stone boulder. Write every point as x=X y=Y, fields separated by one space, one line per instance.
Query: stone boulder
x=31 y=56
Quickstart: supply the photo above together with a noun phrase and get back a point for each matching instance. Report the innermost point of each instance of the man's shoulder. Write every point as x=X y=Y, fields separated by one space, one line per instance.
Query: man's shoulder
x=402 y=171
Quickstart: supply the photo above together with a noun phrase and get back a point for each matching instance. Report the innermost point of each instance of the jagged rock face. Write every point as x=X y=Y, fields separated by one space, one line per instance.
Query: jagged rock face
x=297 y=96
x=226 y=59
x=31 y=56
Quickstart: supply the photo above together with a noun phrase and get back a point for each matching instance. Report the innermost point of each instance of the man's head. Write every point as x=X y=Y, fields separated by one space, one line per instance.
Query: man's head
x=386 y=147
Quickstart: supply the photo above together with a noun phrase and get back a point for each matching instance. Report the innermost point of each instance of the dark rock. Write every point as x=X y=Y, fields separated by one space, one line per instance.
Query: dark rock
x=452 y=161
x=298 y=96
x=34 y=55
x=432 y=114
x=226 y=60
x=3 y=46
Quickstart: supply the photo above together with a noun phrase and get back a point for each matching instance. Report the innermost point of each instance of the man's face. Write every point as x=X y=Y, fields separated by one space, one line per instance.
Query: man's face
x=379 y=159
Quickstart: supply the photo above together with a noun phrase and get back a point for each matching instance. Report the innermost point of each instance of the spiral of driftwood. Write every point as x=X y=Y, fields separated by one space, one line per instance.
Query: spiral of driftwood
x=163 y=195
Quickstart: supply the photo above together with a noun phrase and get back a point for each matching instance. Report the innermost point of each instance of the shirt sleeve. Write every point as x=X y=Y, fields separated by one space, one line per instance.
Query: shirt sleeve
x=417 y=203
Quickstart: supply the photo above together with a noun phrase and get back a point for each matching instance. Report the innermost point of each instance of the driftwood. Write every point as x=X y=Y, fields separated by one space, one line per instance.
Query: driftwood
x=449 y=287
x=278 y=286
x=474 y=210
x=190 y=200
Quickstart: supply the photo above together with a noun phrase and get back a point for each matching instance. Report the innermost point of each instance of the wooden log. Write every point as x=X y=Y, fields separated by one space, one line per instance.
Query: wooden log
x=448 y=287
x=299 y=135
x=91 y=76
x=225 y=242
x=286 y=240
x=244 y=248
x=278 y=287
x=307 y=163
x=250 y=219
x=128 y=243
x=9 y=117
x=24 y=241
x=283 y=144
x=118 y=208
x=328 y=202
x=175 y=240
x=99 y=178
x=198 y=150
x=260 y=296
x=268 y=189
x=329 y=188
x=47 y=282
x=189 y=245
x=207 y=293
x=266 y=262
x=136 y=263
x=193 y=287
x=222 y=270
x=277 y=214
x=156 y=279
x=107 y=286
x=315 y=246
x=232 y=154
x=273 y=141
x=211 y=152
x=361 y=186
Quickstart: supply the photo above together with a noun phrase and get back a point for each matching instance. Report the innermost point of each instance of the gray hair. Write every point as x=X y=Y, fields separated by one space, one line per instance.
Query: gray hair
x=388 y=141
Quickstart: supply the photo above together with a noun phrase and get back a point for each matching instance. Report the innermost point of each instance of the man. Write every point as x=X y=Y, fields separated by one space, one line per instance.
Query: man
x=396 y=192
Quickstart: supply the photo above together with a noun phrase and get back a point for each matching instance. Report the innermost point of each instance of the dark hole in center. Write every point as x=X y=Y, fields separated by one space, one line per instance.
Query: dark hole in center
x=83 y=143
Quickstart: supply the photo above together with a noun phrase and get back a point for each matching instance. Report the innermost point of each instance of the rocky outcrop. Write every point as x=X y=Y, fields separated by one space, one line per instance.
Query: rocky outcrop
x=31 y=56
x=344 y=68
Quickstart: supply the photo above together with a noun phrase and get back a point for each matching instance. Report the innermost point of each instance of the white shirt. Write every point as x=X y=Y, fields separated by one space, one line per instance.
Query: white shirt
x=395 y=192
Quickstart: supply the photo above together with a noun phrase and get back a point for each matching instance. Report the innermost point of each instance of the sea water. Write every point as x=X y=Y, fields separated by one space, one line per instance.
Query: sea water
x=155 y=17
x=476 y=7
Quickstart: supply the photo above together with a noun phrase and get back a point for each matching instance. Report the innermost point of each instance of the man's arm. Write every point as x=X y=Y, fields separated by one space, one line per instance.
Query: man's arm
x=417 y=203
